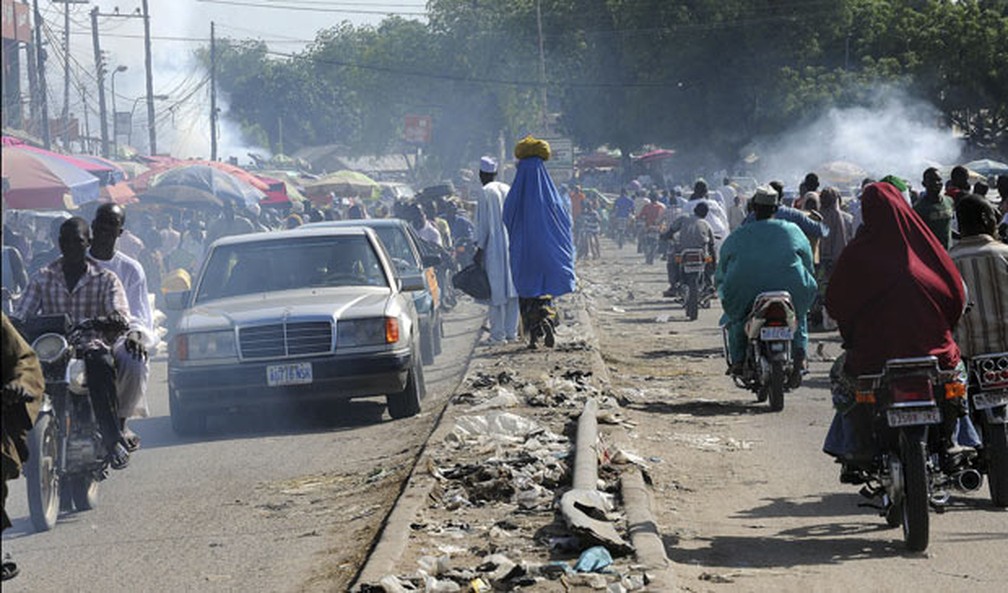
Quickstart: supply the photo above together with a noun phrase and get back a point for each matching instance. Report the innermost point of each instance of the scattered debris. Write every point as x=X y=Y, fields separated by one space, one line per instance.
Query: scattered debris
x=594 y=559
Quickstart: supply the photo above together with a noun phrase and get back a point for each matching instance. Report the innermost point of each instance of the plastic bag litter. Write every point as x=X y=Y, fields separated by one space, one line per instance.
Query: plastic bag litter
x=505 y=398
x=594 y=559
x=498 y=425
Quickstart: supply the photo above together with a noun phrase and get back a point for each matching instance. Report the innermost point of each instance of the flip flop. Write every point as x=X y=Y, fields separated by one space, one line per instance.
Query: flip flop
x=131 y=441
x=10 y=569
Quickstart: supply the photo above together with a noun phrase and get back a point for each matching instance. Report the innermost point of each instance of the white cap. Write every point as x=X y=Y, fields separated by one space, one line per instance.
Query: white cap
x=488 y=165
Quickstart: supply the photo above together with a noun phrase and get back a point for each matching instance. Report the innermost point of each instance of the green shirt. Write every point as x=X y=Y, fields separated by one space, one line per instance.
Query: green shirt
x=937 y=215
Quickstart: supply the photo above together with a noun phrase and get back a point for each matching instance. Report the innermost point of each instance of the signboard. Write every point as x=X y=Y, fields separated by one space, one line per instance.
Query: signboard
x=417 y=129
x=15 y=22
x=123 y=123
x=57 y=129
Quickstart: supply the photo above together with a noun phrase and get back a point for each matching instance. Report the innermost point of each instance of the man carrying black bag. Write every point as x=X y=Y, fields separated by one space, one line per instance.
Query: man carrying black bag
x=492 y=253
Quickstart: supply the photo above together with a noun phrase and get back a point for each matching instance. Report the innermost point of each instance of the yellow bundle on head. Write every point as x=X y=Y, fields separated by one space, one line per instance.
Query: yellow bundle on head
x=529 y=146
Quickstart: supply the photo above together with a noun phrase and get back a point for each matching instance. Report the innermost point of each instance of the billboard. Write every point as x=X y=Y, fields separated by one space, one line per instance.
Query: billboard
x=417 y=129
x=16 y=25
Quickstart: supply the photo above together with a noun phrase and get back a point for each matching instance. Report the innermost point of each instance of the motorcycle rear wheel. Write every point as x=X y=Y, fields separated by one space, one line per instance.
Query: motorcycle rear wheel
x=84 y=492
x=776 y=387
x=915 y=493
x=692 y=299
x=43 y=482
x=997 y=462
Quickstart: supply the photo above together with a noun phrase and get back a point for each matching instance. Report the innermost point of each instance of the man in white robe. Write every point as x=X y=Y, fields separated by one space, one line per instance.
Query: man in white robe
x=492 y=245
x=132 y=370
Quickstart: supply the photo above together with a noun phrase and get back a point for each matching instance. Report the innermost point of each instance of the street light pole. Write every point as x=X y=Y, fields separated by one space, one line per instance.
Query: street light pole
x=115 y=118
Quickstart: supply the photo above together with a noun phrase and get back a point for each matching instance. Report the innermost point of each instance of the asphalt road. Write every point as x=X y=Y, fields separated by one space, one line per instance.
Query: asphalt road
x=280 y=501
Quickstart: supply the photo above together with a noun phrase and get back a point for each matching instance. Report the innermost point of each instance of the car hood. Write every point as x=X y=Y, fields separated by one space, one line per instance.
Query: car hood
x=259 y=308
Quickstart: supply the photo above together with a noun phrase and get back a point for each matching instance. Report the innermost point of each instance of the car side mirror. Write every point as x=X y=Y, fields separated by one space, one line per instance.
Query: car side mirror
x=176 y=301
x=412 y=282
x=431 y=261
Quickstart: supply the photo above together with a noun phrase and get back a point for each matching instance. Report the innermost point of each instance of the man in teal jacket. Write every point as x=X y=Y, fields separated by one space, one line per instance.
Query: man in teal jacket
x=762 y=256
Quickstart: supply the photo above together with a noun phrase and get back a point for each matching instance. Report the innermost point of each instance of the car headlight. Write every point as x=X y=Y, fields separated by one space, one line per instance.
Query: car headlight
x=376 y=331
x=205 y=345
x=49 y=347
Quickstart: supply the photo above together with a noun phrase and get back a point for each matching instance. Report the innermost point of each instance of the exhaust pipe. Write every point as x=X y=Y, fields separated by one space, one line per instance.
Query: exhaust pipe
x=968 y=480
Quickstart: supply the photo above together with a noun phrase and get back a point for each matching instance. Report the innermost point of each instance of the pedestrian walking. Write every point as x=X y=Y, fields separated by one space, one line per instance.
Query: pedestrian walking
x=492 y=253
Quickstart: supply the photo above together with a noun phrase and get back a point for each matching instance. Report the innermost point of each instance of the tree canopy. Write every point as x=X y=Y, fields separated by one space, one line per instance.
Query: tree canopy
x=702 y=76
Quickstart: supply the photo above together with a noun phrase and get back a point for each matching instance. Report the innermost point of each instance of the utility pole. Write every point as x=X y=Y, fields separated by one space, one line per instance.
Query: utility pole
x=100 y=71
x=40 y=64
x=151 y=131
x=87 y=121
x=213 y=94
x=66 y=68
x=542 y=67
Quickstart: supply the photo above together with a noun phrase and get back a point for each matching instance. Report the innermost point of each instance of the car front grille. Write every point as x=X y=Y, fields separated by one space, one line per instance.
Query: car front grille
x=285 y=339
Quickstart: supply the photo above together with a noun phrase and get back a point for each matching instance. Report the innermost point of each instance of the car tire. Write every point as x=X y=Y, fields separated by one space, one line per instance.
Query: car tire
x=438 y=333
x=184 y=421
x=406 y=403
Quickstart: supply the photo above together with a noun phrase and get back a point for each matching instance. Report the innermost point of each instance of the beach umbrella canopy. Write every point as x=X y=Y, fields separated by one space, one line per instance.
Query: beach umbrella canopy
x=104 y=172
x=988 y=167
x=196 y=184
x=132 y=169
x=345 y=184
x=40 y=181
x=115 y=173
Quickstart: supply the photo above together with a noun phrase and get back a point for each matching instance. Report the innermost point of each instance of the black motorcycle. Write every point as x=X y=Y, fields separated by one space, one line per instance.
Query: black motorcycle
x=988 y=397
x=694 y=288
x=67 y=458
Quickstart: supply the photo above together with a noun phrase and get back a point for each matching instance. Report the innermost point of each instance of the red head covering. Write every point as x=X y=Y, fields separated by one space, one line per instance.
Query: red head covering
x=894 y=291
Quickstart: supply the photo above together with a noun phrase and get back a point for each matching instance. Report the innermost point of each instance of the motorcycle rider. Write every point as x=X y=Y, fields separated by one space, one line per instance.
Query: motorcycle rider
x=766 y=255
x=77 y=286
x=651 y=215
x=23 y=386
x=132 y=367
x=689 y=232
x=983 y=262
x=894 y=293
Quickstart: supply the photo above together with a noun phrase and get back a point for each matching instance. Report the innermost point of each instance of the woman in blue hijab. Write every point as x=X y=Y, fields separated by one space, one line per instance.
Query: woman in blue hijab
x=541 y=243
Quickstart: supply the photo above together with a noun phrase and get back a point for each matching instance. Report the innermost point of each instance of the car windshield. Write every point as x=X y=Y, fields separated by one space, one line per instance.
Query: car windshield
x=399 y=249
x=311 y=262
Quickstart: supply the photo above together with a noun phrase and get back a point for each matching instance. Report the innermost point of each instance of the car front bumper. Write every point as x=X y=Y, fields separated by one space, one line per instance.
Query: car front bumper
x=334 y=378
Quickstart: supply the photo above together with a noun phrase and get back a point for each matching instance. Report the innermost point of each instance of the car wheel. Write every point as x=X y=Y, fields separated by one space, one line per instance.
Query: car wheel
x=438 y=333
x=184 y=421
x=406 y=403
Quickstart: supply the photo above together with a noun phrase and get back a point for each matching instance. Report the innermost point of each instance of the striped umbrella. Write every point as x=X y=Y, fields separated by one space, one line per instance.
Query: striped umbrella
x=40 y=181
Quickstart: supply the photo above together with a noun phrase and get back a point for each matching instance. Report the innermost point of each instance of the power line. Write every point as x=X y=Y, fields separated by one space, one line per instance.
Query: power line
x=277 y=6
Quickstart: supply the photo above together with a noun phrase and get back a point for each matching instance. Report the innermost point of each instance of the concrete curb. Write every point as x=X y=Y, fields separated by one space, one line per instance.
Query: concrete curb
x=643 y=529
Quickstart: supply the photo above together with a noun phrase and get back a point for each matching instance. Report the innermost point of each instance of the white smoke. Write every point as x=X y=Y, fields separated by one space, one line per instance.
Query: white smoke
x=892 y=134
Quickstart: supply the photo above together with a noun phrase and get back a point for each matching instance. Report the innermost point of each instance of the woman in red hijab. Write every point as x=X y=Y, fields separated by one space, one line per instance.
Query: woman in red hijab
x=894 y=293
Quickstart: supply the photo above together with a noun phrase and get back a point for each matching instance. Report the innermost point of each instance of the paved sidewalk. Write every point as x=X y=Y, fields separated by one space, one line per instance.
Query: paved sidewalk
x=522 y=484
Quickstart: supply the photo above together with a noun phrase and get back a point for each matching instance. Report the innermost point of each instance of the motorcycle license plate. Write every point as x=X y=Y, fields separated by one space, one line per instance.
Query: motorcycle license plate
x=983 y=401
x=775 y=333
x=693 y=268
x=299 y=373
x=913 y=417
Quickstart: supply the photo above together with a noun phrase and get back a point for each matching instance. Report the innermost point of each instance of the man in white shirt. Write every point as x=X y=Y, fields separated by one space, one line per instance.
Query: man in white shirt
x=132 y=372
x=493 y=246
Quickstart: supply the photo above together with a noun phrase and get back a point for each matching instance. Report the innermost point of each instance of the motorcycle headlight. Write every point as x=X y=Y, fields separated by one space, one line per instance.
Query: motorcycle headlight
x=49 y=347
x=206 y=345
x=376 y=331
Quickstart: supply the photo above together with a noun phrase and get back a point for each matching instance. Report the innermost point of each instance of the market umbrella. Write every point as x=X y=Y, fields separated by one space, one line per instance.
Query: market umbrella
x=987 y=167
x=115 y=173
x=656 y=155
x=39 y=181
x=345 y=184
x=132 y=169
x=194 y=184
x=840 y=173
x=104 y=172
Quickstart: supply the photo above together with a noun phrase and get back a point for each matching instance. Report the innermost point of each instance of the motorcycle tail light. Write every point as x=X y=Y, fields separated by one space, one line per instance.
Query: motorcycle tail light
x=775 y=315
x=955 y=390
x=864 y=397
x=911 y=389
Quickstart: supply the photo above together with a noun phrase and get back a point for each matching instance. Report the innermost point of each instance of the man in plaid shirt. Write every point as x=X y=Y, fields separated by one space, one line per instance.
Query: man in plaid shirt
x=78 y=287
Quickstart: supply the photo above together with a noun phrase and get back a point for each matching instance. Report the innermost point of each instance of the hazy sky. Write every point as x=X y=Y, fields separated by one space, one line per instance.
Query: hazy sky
x=178 y=27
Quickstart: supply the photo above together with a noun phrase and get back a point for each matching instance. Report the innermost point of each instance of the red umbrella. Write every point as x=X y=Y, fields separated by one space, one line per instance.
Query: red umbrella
x=38 y=181
x=104 y=173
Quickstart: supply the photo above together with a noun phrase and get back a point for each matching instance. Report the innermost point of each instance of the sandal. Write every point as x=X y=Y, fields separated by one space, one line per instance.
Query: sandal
x=131 y=440
x=10 y=569
x=119 y=457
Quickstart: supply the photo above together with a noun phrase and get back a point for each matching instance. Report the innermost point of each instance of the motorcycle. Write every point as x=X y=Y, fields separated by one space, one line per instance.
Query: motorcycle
x=67 y=459
x=694 y=287
x=988 y=404
x=769 y=361
x=906 y=473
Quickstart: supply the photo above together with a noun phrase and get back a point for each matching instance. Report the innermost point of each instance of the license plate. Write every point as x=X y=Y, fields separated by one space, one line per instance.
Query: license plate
x=913 y=417
x=299 y=373
x=693 y=268
x=983 y=401
x=775 y=333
